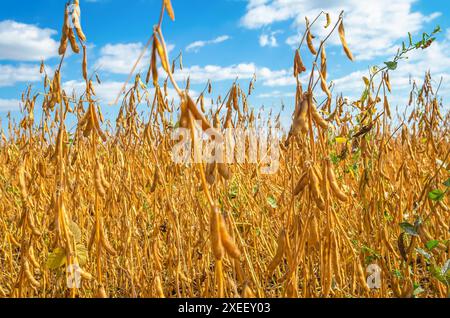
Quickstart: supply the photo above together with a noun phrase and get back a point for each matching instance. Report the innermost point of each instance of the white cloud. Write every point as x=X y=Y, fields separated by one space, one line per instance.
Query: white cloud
x=9 y=105
x=26 y=42
x=106 y=93
x=372 y=27
x=276 y=94
x=216 y=73
x=195 y=46
x=10 y=75
x=269 y=40
x=434 y=59
x=119 y=58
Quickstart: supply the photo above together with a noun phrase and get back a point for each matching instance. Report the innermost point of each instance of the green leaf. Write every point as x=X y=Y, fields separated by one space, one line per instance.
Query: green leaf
x=272 y=202
x=447 y=183
x=391 y=65
x=82 y=254
x=75 y=230
x=364 y=95
x=410 y=38
x=409 y=228
x=232 y=194
x=432 y=244
x=436 y=195
x=437 y=273
x=388 y=217
x=437 y=29
x=56 y=259
x=446 y=268
x=418 y=291
x=397 y=273
x=423 y=253
x=255 y=189
x=334 y=158
x=370 y=251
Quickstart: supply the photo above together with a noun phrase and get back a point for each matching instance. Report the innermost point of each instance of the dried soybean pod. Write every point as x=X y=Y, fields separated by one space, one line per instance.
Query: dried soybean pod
x=302 y=120
x=153 y=66
x=101 y=292
x=169 y=9
x=401 y=246
x=323 y=63
x=85 y=275
x=387 y=108
x=98 y=182
x=29 y=275
x=299 y=67
x=162 y=53
x=84 y=66
x=158 y=287
x=22 y=182
x=105 y=182
x=327 y=15
x=106 y=244
x=202 y=103
x=216 y=242
x=210 y=173
x=90 y=124
x=32 y=225
x=157 y=255
x=224 y=171
x=248 y=293
x=314 y=236
x=408 y=289
x=92 y=237
x=227 y=242
x=309 y=42
x=32 y=258
x=362 y=276
x=73 y=42
x=333 y=183
x=387 y=81
x=344 y=41
x=155 y=181
x=302 y=183
x=42 y=68
x=314 y=185
x=65 y=34
x=76 y=16
x=97 y=124
x=318 y=119
x=279 y=254
x=196 y=113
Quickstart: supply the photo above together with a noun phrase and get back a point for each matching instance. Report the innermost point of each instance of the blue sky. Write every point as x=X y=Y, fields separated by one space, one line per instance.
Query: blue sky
x=221 y=40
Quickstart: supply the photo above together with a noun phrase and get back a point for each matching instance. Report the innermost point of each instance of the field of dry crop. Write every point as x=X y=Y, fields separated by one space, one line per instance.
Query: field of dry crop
x=358 y=208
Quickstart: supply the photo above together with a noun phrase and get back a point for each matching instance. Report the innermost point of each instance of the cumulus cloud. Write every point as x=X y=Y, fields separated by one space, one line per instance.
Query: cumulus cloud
x=107 y=91
x=119 y=58
x=434 y=59
x=26 y=42
x=276 y=94
x=268 y=39
x=372 y=27
x=11 y=75
x=197 y=45
x=201 y=74
x=7 y=105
